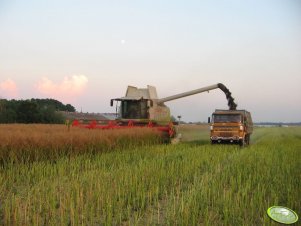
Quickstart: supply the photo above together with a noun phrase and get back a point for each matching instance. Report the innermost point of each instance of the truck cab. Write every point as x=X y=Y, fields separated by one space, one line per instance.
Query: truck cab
x=231 y=126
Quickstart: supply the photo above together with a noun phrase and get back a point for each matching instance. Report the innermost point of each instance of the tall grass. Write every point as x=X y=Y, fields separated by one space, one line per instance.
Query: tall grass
x=192 y=183
x=28 y=143
x=191 y=132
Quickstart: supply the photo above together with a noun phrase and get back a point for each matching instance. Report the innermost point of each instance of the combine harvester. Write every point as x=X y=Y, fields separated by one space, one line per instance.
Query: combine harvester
x=143 y=108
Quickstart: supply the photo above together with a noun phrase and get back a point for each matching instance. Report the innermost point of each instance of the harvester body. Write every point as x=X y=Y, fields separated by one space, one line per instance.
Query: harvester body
x=142 y=105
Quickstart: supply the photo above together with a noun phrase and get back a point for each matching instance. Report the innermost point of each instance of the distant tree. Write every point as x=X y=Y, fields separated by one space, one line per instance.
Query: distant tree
x=28 y=112
x=70 y=108
x=58 y=106
x=50 y=115
x=7 y=115
x=32 y=111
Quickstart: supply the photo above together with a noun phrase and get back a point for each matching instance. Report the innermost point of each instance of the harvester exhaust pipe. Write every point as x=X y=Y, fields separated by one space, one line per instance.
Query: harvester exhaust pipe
x=231 y=104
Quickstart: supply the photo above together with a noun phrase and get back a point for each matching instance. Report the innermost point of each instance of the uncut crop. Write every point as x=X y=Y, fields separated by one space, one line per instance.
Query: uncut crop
x=28 y=143
x=192 y=183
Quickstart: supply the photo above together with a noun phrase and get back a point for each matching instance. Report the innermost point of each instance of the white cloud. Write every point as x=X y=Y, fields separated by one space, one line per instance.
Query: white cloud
x=65 y=90
x=8 y=89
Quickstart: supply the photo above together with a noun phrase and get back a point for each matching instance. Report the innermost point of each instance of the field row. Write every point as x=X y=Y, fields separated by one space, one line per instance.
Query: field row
x=192 y=183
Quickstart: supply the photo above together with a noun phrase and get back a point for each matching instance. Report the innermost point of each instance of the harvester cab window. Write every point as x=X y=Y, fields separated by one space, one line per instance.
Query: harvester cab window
x=134 y=109
x=226 y=118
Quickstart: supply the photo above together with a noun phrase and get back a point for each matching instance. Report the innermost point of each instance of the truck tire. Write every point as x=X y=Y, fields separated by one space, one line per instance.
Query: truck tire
x=242 y=142
x=248 y=139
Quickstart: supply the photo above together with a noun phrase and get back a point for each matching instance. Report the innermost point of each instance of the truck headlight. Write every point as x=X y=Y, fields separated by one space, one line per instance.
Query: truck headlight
x=241 y=127
x=211 y=127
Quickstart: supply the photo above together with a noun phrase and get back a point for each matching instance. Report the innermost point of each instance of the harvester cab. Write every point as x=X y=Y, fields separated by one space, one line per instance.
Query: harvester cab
x=141 y=106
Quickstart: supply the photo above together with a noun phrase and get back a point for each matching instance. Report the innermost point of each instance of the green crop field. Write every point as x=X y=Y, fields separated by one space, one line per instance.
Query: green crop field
x=50 y=176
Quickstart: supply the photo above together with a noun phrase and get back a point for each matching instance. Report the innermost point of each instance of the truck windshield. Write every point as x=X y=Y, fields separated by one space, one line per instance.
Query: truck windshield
x=226 y=118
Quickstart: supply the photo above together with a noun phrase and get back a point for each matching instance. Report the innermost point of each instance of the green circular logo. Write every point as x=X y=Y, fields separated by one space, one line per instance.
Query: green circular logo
x=282 y=214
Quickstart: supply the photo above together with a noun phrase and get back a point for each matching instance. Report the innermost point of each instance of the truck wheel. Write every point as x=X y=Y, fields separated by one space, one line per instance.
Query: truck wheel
x=247 y=139
x=242 y=142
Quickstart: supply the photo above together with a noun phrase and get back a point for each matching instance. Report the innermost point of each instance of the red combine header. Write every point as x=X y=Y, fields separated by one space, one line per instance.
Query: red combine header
x=115 y=124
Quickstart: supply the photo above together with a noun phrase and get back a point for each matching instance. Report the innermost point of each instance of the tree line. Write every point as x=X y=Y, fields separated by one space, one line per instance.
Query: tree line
x=33 y=111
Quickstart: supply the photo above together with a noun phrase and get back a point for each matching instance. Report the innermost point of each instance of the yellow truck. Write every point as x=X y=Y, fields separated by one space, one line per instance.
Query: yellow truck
x=231 y=126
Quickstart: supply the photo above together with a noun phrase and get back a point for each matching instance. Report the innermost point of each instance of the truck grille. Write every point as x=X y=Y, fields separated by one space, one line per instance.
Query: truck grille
x=226 y=134
x=228 y=128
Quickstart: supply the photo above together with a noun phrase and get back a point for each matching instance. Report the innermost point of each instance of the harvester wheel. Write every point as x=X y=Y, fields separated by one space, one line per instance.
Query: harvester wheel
x=176 y=139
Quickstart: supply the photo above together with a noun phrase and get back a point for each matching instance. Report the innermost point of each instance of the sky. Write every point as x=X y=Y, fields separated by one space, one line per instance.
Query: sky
x=87 y=52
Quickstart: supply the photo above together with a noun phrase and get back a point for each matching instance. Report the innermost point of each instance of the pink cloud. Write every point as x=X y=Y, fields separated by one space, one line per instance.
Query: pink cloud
x=66 y=90
x=8 y=89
